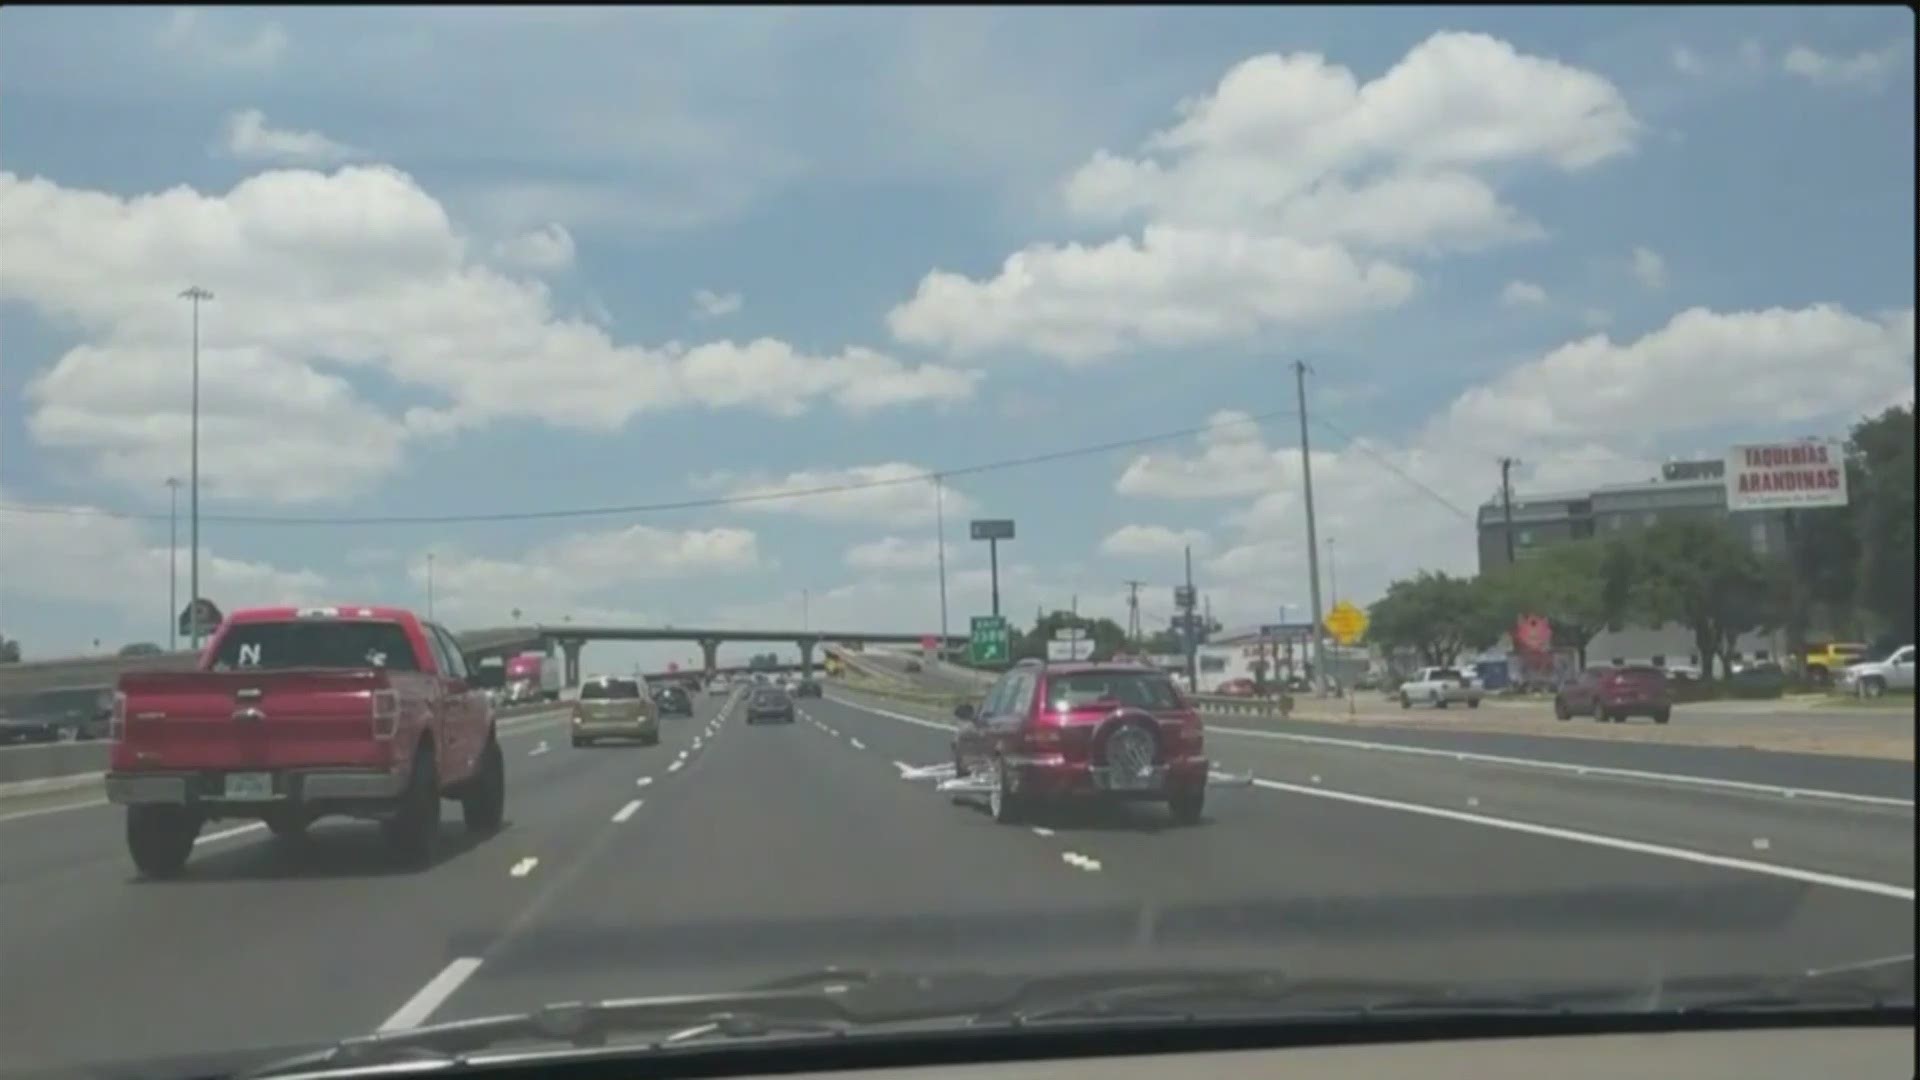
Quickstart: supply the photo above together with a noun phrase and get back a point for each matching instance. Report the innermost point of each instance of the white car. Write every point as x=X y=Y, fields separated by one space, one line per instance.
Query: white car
x=1875 y=677
x=1440 y=687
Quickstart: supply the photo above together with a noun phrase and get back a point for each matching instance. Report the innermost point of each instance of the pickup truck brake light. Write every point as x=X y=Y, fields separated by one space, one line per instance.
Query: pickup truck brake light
x=386 y=714
x=117 y=720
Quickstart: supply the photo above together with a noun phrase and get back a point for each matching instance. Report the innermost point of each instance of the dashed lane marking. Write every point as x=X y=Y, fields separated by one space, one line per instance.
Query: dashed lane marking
x=676 y=766
x=1080 y=862
x=430 y=997
x=538 y=750
x=524 y=867
x=1038 y=831
x=643 y=781
x=626 y=811
x=857 y=744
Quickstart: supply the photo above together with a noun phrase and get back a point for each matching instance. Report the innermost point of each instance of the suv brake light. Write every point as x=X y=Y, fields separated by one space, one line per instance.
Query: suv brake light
x=117 y=721
x=386 y=714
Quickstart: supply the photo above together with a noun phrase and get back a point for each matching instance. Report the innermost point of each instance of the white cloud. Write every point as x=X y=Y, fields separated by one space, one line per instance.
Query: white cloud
x=544 y=250
x=891 y=492
x=891 y=553
x=115 y=565
x=708 y=304
x=192 y=35
x=1280 y=200
x=1234 y=461
x=1649 y=268
x=1686 y=61
x=1870 y=67
x=1152 y=541
x=249 y=138
x=363 y=272
x=580 y=574
x=1523 y=294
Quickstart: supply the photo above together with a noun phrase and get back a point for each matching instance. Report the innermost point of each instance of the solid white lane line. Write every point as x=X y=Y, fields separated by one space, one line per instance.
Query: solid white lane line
x=643 y=781
x=433 y=995
x=1563 y=766
x=223 y=834
x=626 y=811
x=902 y=717
x=523 y=867
x=61 y=809
x=1638 y=847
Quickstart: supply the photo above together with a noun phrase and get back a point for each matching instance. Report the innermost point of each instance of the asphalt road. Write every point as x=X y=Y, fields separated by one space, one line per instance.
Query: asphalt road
x=731 y=854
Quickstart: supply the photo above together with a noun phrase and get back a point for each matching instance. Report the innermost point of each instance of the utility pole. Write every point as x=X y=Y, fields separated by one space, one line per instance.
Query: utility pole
x=173 y=564
x=940 y=529
x=1506 y=500
x=1313 y=540
x=195 y=294
x=1133 y=613
x=1192 y=634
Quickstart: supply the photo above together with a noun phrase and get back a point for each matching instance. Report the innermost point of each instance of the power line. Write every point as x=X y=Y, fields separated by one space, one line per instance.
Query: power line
x=1353 y=443
x=664 y=507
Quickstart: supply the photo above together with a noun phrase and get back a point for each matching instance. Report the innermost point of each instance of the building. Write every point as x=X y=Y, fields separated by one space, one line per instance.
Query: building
x=1684 y=489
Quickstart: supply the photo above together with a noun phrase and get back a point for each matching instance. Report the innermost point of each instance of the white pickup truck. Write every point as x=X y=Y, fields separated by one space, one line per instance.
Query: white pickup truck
x=1440 y=687
x=1876 y=677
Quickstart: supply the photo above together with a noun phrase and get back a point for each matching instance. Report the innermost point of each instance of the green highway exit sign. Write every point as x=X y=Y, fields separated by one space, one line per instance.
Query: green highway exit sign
x=989 y=644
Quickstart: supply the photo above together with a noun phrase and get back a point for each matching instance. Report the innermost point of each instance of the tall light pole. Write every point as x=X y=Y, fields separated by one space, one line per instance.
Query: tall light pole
x=195 y=294
x=940 y=529
x=173 y=564
x=1313 y=541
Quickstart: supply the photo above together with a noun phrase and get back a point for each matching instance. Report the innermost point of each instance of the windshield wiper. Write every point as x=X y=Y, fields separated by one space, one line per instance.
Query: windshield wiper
x=827 y=1002
x=1882 y=984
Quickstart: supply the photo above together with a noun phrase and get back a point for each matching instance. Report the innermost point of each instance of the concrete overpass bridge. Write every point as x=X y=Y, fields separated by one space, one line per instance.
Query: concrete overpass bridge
x=571 y=638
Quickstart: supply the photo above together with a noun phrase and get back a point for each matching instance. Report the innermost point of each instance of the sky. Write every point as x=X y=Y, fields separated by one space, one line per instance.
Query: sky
x=497 y=261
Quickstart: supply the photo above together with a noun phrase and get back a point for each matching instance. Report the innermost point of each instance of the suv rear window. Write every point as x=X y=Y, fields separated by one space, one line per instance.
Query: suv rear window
x=330 y=643
x=610 y=690
x=1137 y=689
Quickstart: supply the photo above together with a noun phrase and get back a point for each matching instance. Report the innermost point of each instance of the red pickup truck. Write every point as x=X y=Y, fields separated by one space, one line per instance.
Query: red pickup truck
x=298 y=713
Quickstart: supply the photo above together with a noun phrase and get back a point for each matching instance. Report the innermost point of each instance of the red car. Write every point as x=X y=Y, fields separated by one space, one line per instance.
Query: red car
x=1615 y=693
x=1083 y=730
x=298 y=713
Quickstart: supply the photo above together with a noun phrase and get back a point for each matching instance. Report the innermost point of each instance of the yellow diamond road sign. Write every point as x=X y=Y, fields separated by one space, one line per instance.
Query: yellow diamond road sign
x=1346 y=623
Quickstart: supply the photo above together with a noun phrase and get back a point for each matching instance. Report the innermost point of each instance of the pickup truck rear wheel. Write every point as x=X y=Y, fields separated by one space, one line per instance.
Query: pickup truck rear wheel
x=484 y=804
x=412 y=831
x=160 y=838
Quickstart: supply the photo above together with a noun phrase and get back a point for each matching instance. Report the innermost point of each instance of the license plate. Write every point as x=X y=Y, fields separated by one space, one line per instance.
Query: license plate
x=249 y=785
x=1132 y=781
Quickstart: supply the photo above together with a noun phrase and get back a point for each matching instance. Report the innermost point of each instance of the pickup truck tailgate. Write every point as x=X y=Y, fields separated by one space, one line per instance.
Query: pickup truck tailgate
x=286 y=718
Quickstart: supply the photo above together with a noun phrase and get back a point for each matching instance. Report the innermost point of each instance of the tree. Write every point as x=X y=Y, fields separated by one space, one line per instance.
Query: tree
x=140 y=648
x=1437 y=616
x=1697 y=573
x=1108 y=637
x=1882 y=495
x=9 y=650
x=1580 y=588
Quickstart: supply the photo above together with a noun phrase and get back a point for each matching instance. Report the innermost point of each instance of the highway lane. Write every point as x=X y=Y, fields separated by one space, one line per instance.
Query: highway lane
x=771 y=850
x=260 y=944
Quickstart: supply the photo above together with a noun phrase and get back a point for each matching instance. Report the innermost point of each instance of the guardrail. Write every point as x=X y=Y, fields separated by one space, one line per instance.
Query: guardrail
x=82 y=761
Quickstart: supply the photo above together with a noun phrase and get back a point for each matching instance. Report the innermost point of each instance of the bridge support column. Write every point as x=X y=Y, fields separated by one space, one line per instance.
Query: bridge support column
x=710 y=657
x=806 y=656
x=571 y=649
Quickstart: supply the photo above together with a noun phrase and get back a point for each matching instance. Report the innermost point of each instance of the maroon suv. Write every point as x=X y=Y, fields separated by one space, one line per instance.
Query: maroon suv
x=1083 y=730
x=1615 y=693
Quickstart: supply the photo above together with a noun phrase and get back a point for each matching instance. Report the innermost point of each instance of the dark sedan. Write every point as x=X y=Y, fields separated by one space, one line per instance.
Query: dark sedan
x=673 y=701
x=806 y=688
x=769 y=704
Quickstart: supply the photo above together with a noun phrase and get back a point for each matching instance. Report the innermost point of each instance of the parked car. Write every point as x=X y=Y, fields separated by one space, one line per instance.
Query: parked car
x=1615 y=693
x=1236 y=688
x=612 y=707
x=298 y=713
x=769 y=704
x=1875 y=677
x=1441 y=687
x=1080 y=730
x=673 y=700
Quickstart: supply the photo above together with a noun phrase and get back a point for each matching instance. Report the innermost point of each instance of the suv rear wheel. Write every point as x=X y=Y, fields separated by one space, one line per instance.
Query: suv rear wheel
x=160 y=838
x=1187 y=804
x=1006 y=805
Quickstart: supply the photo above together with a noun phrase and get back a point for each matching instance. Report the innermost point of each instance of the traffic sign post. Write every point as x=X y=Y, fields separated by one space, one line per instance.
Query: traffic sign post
x=988 y=642
x=993 y=530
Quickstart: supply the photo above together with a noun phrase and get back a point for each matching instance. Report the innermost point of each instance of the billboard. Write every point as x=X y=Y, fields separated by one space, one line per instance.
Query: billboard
x=1794 y=475
x=1077 y=649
